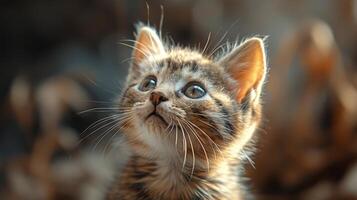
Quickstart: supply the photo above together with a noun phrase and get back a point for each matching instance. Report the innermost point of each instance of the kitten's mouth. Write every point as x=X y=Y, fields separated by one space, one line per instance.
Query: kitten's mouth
x=156 y=115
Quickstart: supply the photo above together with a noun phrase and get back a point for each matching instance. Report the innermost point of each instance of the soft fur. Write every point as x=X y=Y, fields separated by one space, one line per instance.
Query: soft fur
x=191 y=149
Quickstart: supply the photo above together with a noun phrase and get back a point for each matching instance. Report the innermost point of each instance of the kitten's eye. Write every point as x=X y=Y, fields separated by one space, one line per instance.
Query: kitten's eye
x=194 y=91
x=147 y=84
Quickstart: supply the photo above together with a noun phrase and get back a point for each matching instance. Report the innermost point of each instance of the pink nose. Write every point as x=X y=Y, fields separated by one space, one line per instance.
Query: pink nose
x=157 y=97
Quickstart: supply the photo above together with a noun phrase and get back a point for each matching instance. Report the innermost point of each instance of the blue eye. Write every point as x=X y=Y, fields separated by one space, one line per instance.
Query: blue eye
x=147 y=84
x=194 y=90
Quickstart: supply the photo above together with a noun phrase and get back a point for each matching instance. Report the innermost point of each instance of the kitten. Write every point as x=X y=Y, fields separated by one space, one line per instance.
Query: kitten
x=186 y=118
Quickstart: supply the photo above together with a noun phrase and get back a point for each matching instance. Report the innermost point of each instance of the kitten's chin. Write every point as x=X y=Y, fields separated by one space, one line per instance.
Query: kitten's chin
x=156 y=118
x=156 y=122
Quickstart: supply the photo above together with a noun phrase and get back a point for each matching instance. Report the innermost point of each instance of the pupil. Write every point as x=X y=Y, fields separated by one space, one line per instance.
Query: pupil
x=196 y=90
x=150 y=83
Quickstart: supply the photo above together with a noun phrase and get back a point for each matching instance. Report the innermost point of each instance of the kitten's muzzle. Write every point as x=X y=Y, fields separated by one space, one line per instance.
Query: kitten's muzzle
x=157 y=97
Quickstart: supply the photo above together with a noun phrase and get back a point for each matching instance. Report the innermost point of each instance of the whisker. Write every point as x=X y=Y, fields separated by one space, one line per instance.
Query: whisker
x=146 y=54
x=222 y=38
x=206 y=135
x=109 y=141
x=184 y=145
x=251 y=162
x=206 y=45
x=215 y=128
x=93 y=132
x=216 y=49
x=210 y=125
x=161 y=21
x=176 y=135
x=199 y=141
x=104 y=109
x=193 y=155
x=129 y=118
x=102 y=136
x=98 y=122
x=127 y=59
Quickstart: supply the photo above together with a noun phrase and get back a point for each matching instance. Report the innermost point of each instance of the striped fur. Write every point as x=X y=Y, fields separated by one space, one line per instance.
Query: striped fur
x=192 y=150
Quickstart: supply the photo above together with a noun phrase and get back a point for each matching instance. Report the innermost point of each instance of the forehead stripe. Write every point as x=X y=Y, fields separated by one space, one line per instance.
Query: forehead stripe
x=178 y=65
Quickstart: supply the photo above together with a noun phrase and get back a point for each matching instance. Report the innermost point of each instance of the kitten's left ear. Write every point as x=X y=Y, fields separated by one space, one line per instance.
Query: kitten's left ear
x=147 y=44
x=246 y=64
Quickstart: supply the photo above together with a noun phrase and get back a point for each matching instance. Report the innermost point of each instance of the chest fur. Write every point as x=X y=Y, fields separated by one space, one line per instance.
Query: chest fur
x=145 y=179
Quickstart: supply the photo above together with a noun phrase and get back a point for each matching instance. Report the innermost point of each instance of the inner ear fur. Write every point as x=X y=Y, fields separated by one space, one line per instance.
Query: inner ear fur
x=246 y=64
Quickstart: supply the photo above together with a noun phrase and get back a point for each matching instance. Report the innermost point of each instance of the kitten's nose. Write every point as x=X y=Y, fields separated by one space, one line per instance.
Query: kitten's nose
x=157 y=97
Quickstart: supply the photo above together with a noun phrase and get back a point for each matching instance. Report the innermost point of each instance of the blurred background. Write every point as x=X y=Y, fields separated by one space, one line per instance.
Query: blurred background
x=60 y=60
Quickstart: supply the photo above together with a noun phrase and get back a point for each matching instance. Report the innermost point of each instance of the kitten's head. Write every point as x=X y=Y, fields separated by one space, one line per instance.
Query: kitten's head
x=180 y=102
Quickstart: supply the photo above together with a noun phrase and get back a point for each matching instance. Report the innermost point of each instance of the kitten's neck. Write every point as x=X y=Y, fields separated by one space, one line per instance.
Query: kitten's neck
x=161 y=179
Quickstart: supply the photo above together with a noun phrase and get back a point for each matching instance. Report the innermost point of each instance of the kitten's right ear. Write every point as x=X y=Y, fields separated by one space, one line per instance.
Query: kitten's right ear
x=247 y=65
x=147 y=44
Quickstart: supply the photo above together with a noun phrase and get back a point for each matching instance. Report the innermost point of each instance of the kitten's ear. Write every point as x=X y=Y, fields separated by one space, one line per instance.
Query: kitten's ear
x=147 y=44
x=247 y=65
